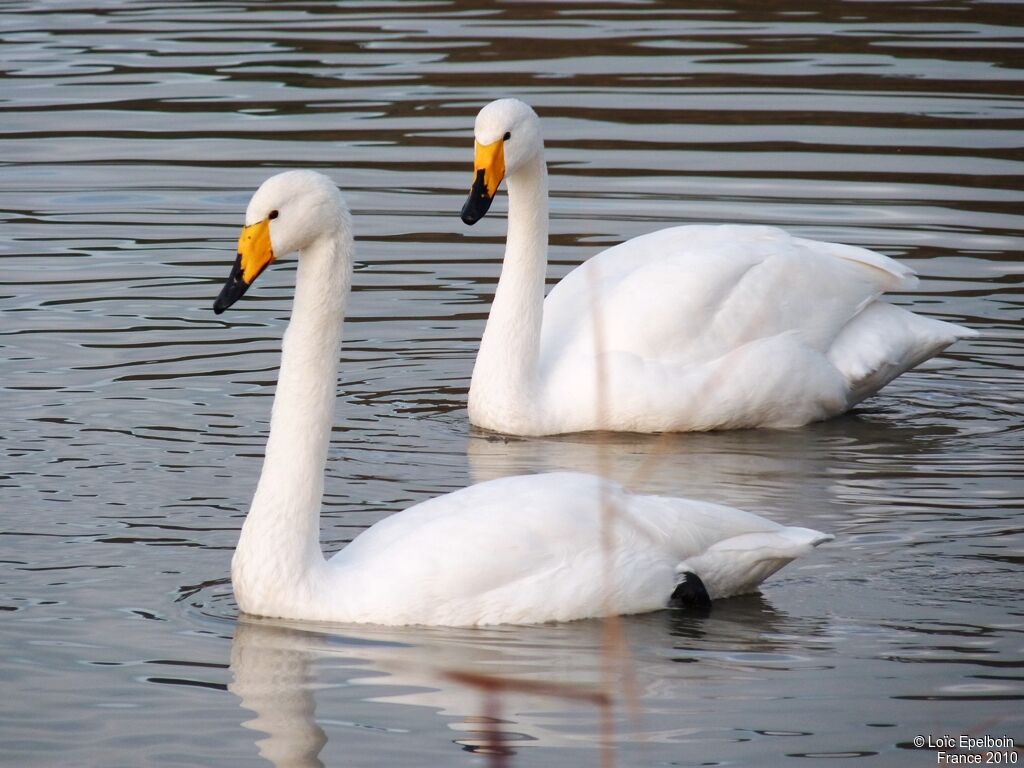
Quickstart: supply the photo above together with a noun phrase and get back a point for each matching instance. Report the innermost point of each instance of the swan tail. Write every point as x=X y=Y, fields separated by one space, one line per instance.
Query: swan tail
x=737 y=565
x=883 y=341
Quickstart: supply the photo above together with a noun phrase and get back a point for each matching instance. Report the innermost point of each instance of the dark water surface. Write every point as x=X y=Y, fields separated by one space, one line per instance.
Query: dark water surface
x=133 y=420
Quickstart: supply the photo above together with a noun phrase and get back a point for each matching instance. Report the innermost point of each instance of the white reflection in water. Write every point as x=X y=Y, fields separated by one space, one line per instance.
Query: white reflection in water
x=808 y=469
x=278 y=668
x=272 y=675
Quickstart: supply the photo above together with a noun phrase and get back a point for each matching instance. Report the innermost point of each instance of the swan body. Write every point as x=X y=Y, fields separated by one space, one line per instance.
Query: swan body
x=523 y=549
x=693 y=327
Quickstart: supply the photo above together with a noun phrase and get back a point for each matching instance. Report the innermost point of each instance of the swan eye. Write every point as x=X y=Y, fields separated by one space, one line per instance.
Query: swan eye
x=507 y=136
x=273 y=215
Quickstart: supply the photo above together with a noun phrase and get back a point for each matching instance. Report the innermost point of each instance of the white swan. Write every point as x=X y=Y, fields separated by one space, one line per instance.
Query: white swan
x=516 y=550
x=698 y=327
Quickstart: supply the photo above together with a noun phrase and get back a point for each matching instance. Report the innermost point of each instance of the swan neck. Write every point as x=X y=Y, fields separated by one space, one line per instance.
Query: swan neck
x=528 y=214
x=280 y=538
x=506 y=370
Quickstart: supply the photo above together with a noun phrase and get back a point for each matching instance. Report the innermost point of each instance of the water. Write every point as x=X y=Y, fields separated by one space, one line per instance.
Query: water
x=131 y=137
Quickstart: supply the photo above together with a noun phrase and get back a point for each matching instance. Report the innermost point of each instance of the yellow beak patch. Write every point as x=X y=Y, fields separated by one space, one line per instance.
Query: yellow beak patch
x=254 y=250
x=490 y=158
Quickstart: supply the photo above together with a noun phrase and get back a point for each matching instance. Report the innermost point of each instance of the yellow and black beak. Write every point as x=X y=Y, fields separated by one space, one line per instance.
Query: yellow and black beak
x=254 y=255
x=488 y=171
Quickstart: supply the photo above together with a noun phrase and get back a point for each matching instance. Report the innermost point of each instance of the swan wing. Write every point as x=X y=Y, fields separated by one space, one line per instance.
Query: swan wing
x=530 y=549
x=693 y=293
x=702 y=327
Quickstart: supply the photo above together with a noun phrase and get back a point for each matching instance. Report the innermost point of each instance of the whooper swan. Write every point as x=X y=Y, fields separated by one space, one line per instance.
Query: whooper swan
x=690 y=328
x=514 y=550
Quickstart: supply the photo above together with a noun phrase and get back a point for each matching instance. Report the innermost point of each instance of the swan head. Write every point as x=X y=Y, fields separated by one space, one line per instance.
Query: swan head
x=507 y=133
x=288 y=213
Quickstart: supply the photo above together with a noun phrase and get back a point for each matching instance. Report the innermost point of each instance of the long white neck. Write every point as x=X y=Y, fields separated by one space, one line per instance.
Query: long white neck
x=505 y=377
x=278 y=555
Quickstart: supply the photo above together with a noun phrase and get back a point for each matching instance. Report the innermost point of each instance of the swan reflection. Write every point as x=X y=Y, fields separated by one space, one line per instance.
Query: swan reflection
x=279 y=670
x=771 y=472
x=272 y=675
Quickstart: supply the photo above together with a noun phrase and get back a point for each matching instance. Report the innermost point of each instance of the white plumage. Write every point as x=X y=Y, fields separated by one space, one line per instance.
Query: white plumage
x=689 y=328
x=514 y=550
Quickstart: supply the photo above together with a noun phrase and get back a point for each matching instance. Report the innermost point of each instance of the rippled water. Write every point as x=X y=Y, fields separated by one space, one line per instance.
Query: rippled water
x=131 y=137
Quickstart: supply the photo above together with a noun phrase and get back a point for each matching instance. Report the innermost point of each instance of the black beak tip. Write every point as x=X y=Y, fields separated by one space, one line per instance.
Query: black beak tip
x=233 y=289
x=468 y=216
x=478 y=202
x=476 y=207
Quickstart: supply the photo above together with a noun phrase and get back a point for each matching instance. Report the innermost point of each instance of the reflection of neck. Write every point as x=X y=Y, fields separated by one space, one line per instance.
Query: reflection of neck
x=504 y=381
x=278 y=553
x=271 y=675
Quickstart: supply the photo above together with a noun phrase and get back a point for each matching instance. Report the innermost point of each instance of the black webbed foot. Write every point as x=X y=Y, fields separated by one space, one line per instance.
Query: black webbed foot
x=690 y=592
